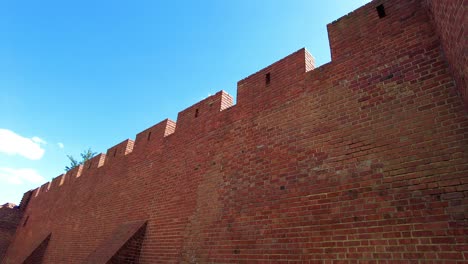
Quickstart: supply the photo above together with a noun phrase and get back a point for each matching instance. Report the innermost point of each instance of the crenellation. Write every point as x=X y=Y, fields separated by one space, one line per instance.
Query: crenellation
x=203 y=114
x=309 y=61
x=171 y=127
x=154 y=135
x=362 y=34
x=274 y=84
x=94 y=163
x=56 y=181
x=62 y=179
x=320 y=75
x=45 y=187
x=74 y=173
x=227 y=100
x=37 y=191
x=25 y=200
x=120 y=150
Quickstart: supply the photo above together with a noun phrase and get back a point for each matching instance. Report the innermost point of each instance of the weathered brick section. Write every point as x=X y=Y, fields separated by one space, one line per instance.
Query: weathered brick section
x=10 y=217
x=362 y=160
x=450 y=19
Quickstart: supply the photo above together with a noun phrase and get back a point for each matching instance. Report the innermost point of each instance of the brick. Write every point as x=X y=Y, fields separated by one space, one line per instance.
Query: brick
x=360 y=160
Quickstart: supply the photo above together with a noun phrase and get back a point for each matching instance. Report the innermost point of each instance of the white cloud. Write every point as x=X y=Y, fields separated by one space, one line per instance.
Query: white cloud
x=20 y=176
x=60 y=145
x=38 y=140
x=14 y=144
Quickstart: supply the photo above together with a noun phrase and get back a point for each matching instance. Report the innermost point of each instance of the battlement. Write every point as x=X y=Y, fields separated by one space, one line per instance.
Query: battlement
x=361 y=158
x=363 y=31
x=120 y=150
x=95 y=162
x=275 y=83
x=154 y=135
x=254 y=92
x=201 y=116
x=56 y=181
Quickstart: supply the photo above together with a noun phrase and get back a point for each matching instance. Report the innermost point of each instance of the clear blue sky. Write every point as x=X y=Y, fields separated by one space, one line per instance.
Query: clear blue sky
x=80 y=74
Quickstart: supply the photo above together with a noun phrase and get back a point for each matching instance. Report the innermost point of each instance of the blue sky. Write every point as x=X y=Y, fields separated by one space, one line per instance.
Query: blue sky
x=80 y=74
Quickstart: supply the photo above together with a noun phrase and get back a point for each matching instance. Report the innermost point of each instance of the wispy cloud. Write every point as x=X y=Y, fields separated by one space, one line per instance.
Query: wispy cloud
x=14 y=144
x=60 y=145
x=20 y=176
x=38 y=140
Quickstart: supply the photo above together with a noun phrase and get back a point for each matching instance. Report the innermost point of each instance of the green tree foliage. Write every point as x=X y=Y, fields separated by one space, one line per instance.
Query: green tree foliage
x=85 y=155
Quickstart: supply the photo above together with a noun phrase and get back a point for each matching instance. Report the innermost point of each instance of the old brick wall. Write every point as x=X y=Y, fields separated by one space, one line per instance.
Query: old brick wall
x=37 y=255
x=362 y=159
x=9 y=219
x=450 y=19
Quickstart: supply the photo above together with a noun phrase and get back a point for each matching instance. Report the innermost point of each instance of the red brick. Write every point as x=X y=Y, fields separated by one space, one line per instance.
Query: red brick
x=361 y=160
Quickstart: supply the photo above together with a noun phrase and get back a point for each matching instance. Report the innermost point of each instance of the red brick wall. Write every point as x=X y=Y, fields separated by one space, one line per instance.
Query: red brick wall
x=450 y=19
x=9 y=219
x=130 y=252
x=37 y=255
x=362 y=159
